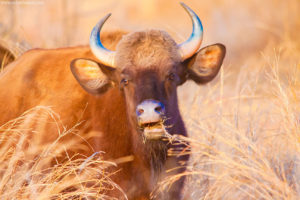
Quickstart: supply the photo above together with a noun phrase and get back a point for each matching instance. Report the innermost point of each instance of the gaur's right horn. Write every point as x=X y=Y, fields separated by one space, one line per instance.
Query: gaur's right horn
x=104 y=55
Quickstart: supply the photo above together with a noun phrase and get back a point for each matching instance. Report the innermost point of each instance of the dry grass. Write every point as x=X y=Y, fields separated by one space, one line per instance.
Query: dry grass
x=246 y=145
x=244 y=126
x=3 y=62
x=31 y=171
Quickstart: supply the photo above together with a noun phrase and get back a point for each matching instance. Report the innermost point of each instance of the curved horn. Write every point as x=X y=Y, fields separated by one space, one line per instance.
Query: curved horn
x=104 y=55
x=189 y=47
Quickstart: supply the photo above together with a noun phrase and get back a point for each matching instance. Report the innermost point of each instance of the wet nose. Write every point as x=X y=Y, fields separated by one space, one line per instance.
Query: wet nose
x=150 y=111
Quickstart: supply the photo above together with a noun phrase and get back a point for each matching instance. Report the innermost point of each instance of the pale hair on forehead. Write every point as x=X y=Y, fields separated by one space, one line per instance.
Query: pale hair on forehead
x=147 y=49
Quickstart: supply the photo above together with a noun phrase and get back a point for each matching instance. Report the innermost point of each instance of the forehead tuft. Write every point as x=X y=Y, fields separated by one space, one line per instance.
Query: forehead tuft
x=147 y=49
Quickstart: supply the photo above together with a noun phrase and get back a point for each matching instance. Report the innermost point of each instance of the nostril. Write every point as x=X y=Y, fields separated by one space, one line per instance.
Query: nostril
x=148 y=110
x=140 y=111
x=158 y=109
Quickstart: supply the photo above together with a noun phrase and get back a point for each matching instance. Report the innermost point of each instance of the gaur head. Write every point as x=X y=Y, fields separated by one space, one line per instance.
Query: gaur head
x=148 y=67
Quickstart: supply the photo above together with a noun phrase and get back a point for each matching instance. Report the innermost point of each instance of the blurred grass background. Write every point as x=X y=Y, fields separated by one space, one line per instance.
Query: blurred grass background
x=245 y=125
x=242 y=26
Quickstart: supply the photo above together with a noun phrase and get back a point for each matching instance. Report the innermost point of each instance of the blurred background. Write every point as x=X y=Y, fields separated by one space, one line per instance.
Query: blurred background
x=243 y=26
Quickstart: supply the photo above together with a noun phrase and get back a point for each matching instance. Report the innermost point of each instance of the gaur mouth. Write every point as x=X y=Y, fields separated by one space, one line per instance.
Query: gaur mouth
x=153 y=130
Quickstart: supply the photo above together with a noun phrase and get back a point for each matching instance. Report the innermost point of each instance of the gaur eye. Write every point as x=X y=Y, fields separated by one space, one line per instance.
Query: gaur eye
x=124 y=81
x=171 y=76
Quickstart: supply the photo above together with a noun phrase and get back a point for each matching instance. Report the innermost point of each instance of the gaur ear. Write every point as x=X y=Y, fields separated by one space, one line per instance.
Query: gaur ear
x=205 y=65
x=94 y=77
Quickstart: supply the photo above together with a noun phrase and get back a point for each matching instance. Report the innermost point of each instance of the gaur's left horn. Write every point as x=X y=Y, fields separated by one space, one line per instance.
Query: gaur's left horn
x=104 y=55
x=189 y=47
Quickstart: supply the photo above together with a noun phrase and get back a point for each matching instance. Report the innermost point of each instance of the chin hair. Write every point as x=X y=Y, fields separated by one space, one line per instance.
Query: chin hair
x=157 y=151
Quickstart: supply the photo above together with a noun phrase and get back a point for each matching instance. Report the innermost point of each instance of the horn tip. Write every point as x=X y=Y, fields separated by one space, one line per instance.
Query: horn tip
x=181 y=2
x=107 y=16
x=183 y=5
